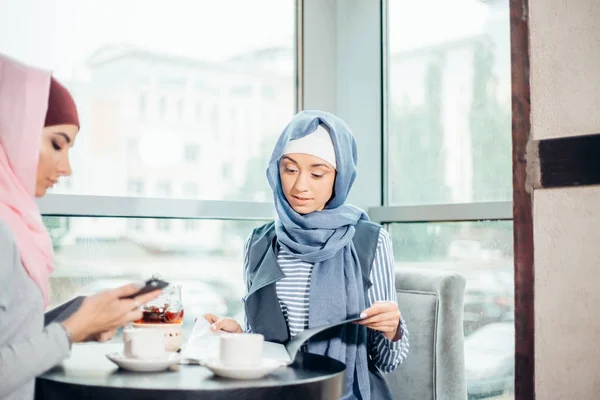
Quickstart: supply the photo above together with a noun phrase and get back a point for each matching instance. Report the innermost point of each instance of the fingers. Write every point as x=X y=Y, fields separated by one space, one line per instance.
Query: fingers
x=126 y=290
x=223 y=324
x=144 y=298
x=217 y=325
x=106 y=336
x=126 y=305
x=130 y=316
x=389 y=316
x=384 y=327
x=211 y=318
x=379 y=307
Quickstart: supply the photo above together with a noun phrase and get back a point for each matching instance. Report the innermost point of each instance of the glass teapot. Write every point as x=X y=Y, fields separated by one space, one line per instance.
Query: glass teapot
x=165 y=309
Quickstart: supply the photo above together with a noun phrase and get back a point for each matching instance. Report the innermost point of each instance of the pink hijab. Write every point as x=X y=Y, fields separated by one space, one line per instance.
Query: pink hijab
x=23 y=104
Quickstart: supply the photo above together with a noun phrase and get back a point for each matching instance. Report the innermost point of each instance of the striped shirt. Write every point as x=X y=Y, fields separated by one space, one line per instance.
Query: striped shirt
x=293 y=292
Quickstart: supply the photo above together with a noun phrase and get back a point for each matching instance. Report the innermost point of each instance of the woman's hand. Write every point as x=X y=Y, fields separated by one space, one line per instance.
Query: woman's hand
x=382 y=316
x=223 y=324
x=102 y=336
x=107 y=311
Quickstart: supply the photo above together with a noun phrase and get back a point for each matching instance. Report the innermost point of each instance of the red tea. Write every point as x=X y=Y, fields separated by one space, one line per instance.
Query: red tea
x=160 y=315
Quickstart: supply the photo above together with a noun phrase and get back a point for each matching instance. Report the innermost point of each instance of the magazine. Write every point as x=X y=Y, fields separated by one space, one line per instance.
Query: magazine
x=203 y=343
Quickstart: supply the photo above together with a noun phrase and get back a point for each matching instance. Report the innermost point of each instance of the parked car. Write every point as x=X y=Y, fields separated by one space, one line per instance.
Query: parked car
x=490 y=359
x=489 y=296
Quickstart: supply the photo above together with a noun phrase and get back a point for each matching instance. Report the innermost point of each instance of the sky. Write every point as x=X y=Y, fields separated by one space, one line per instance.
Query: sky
x=56 y=34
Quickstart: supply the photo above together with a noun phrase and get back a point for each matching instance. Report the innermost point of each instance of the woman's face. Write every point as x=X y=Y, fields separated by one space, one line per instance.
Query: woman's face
x=307 y=182
x=54 y=156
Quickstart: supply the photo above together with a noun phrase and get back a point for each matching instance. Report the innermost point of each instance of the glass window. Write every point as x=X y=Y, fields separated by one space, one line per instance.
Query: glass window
x=190 y=189
x=191 y=225
x=135 y=186
x=198 y=110
x=162 y=106
x=133 y=148
x=142 y=104
x=93 y=254
x=163 y=189
x=244 y=91
x=449 y=102
x=163 y=225
x=180 y=109
x=483 y=253
x=133 y=69
x=136 y=224
x=191 y=153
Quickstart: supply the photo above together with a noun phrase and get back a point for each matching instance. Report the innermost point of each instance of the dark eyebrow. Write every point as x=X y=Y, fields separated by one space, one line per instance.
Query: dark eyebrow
x=67 y=138
x=290 y=158
x=312 y=165
x=320 y=165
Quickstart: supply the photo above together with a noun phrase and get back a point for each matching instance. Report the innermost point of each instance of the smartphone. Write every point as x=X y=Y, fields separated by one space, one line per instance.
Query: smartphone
x=150 y=286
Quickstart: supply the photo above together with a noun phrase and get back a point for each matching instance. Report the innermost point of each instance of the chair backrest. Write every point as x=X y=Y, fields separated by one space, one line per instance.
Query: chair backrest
x=431 y=303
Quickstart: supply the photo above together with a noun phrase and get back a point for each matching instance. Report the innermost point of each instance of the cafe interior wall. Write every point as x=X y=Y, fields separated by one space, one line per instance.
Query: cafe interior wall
x=565 y=100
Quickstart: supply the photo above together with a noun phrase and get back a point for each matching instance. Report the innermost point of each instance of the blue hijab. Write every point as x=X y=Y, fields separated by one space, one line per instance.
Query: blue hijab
x=324 y=238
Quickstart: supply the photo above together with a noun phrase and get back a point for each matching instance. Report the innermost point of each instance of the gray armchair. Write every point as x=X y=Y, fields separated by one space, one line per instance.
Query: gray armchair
x=431 y=302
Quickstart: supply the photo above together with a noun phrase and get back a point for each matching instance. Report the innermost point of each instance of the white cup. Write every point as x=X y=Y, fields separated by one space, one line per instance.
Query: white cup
x=143 y=344
x=241 y=349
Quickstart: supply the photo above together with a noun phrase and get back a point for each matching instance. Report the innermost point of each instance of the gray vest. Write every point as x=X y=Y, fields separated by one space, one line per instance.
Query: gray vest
x=263 y=312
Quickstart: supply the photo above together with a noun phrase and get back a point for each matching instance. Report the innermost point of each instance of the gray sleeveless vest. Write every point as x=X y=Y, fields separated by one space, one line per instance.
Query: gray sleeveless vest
x=263 y=312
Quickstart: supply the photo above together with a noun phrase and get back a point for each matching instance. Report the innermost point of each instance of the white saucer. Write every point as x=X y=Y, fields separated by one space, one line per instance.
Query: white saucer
x=265 y=367
x=134 y=364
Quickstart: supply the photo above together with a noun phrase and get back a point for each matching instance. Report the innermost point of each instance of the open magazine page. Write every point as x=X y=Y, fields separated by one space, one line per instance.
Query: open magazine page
x=203 y=343
x=294 y=345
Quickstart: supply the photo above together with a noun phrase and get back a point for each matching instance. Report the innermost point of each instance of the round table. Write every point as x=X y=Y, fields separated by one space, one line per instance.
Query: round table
x=89 y=375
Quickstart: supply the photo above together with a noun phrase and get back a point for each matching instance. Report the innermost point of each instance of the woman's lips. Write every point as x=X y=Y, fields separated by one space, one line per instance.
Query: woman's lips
x=300 y=199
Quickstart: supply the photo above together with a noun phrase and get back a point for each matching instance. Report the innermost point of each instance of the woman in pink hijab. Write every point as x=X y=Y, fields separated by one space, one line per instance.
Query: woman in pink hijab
x=38 y=126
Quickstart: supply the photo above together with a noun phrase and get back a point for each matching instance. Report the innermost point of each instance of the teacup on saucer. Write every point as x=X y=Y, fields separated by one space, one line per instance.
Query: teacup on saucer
x=172 y=332
x=135 y=364
x=144 y=344
x=257 y=371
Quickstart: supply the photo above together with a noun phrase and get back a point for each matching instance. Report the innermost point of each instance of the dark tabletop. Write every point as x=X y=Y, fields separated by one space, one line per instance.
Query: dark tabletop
x=88 y=374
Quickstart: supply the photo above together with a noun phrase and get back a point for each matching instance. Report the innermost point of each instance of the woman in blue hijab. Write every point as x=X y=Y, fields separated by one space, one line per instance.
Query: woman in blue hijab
x=322 y=261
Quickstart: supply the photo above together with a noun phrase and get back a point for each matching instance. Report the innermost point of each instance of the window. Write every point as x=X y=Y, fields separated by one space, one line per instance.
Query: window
x=156 y=72
x=133 y=148
x=191 y=152
x=242 y=91
x=448 y=147
x=208 y=263
x=267 y=92
x=449 y=104
x=190 y=189
x=180 y=109
x=136 y=224
x=163 y=225
x=191 y=225
x=162 y=106
x=446 y=141
x=163 y=189
x=214 y=118
x=136 y=186
x=142 y=106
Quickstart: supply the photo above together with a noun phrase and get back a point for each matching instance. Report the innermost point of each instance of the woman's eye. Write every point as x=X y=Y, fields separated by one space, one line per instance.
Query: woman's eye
x=317 y=176
x=55 y=145
x=290 y=171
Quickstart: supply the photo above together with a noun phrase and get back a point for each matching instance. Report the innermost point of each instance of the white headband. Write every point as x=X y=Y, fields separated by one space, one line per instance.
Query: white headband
x=317 y=143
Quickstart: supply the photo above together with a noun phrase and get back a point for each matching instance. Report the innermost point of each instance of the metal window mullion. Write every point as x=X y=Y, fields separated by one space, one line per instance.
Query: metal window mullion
x=501 y=210
x=140 y=207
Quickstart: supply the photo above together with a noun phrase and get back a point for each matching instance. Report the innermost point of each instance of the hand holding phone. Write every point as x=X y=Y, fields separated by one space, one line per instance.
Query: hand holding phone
x=150 y=286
